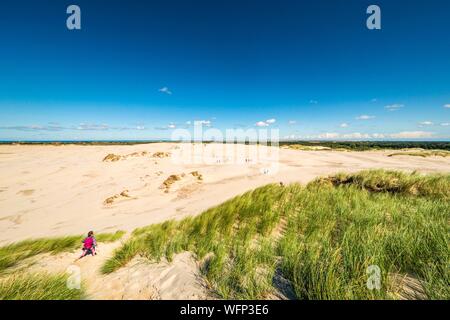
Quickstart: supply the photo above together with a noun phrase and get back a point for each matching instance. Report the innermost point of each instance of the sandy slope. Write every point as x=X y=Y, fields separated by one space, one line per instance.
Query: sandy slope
x=60 y=190
x=139 y=280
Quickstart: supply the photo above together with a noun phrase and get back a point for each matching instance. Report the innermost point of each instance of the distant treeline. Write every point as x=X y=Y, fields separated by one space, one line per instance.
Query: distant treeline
x=349 y=145
x=373 y=145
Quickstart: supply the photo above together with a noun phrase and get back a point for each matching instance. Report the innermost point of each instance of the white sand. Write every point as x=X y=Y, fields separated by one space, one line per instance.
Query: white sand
x=59 y=190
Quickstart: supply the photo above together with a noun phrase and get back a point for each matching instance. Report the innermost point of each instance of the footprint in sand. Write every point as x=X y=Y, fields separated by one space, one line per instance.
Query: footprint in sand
x=16 y=219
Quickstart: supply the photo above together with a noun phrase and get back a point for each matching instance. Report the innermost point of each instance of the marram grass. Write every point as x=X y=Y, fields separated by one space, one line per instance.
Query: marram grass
x=394 y=182
x=321 y=238
x=40 y=286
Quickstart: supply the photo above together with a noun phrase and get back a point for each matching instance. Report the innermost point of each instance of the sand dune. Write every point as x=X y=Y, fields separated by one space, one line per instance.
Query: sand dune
x=50 y=191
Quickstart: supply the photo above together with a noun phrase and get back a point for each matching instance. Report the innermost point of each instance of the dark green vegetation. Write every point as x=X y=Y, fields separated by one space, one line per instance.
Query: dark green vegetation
x=372 y=145
x=12 y=254
x=321 y=238
x=423 y=153
x=38 y=287
x=347 y=145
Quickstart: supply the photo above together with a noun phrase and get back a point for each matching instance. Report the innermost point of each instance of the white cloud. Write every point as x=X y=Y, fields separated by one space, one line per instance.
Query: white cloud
x=426 y=123
x=165 y=90
x=79 y=127
x=168 y=127
x=394 y=107
x=328 y=135
x=92 y=127
x=49 y=127
x=411 y=135
x=378 y=136
x=447 y=106
x=206 y=123
x=261 y=124
x=445 y=124
x=356 y=135
x=364 y=117
x=374 y=100
x=368 y=136
x=343 y=125
x=265 y=123
x=292 y=122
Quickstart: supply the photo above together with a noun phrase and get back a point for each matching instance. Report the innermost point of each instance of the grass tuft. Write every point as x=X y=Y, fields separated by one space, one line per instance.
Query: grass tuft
x=38 y=287
x=432 y=185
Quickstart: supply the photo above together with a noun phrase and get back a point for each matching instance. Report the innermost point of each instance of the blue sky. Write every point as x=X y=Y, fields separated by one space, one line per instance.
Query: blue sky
x=138 y=69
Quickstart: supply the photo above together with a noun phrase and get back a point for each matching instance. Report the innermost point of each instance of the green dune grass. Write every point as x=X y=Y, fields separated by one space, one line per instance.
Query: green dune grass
x=395 y=182
x=38 y=287
x=321 y=238
x=12 y=254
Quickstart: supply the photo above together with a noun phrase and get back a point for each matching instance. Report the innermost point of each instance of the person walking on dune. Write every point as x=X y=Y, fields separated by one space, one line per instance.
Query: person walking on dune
x=89 y=245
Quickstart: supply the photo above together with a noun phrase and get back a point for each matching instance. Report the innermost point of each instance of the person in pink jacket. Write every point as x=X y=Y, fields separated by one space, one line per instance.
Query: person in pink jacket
x=89 y=245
